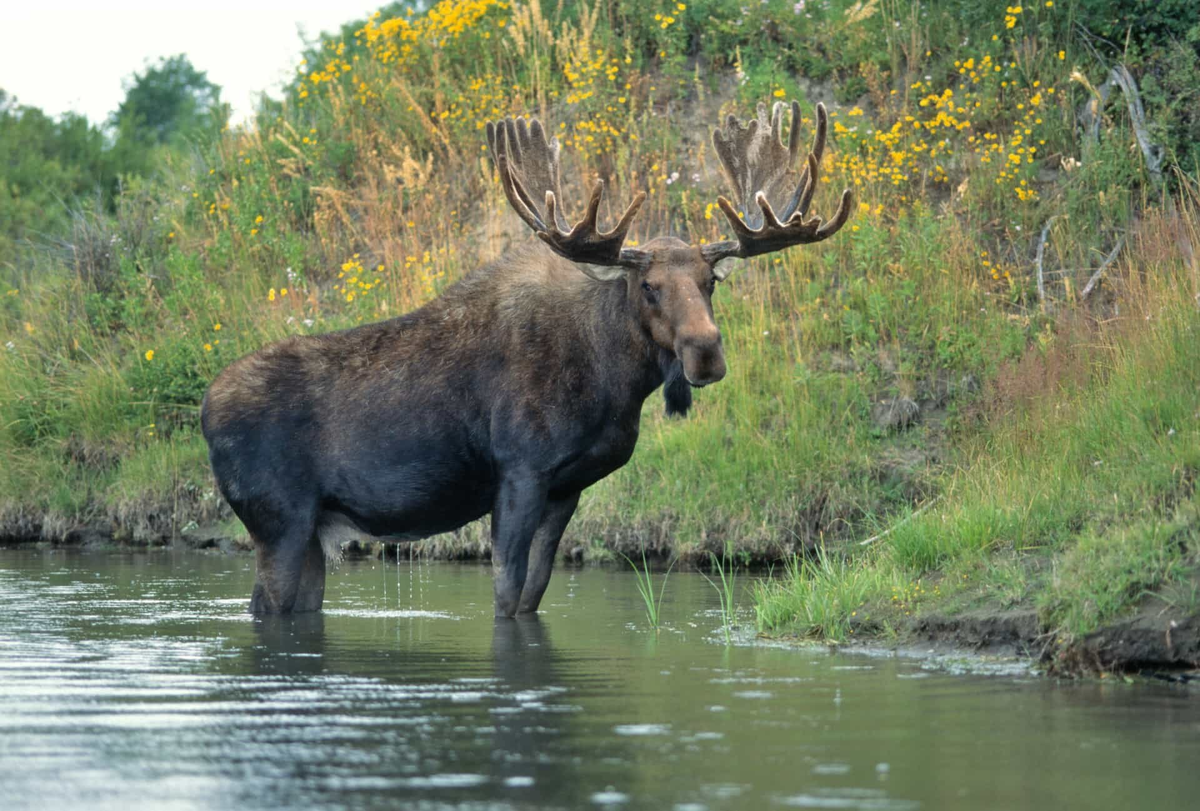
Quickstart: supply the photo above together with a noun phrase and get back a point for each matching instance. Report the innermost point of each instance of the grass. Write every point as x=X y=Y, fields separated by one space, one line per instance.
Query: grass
x=725 y=587
x=1075 y=492
x=645 y=585
x=824 y=596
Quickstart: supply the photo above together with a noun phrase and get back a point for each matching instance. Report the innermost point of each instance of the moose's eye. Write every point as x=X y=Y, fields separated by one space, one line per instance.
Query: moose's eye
x=712 y=285
x=651 y=293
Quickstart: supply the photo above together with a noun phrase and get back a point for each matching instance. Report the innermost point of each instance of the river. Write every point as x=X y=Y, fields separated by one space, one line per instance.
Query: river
x=137 y=681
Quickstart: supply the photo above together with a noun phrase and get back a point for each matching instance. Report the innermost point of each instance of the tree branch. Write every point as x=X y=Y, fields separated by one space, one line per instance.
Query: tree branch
x=1041 y=252
x=899 y=523
x=1092 y=282
x=1122 y=78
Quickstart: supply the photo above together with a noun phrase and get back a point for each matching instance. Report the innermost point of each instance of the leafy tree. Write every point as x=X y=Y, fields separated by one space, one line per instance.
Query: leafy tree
x=45 y=165
x=168 y=100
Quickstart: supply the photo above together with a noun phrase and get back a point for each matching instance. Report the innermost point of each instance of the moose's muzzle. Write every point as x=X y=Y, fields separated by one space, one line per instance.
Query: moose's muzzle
x=702 y=357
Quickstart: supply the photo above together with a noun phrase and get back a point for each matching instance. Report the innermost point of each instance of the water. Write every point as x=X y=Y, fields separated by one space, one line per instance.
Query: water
x=136 y=681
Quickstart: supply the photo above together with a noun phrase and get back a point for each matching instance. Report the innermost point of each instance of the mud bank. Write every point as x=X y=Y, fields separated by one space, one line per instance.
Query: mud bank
x=1013 y=643
x=1156 y=641
x=589 y=539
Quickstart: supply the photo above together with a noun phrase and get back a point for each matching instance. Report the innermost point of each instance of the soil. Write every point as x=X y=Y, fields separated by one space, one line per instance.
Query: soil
x=1156 y=641
x=998 y=633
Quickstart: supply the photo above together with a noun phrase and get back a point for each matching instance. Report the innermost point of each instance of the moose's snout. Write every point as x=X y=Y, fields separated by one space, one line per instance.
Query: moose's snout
x=701 y=354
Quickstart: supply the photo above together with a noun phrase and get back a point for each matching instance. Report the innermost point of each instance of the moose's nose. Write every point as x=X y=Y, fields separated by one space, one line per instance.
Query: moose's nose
x=701 y=354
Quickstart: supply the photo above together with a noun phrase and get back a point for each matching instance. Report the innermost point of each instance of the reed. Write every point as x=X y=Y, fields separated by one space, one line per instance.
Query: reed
x=725 y=586
x=645 y=584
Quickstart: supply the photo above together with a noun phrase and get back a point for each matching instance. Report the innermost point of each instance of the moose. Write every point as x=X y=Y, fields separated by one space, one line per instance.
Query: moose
x=512 y=392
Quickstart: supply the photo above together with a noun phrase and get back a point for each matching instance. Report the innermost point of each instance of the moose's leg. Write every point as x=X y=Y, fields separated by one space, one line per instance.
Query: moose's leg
x=310 y=595
x=290 y=564
x=289 y=576
x=555 y=518
x=516 y=515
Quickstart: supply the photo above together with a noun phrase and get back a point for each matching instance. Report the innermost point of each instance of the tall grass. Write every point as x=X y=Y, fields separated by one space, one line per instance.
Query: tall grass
x=726 y=588
x=1078 y=496
x=645 y=585
x=824 y=596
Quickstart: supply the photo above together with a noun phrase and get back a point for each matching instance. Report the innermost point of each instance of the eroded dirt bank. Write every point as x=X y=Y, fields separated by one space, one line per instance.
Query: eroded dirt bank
x=1157 y=640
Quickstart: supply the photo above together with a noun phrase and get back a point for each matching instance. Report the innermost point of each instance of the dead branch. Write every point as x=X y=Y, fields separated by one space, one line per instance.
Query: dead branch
x=1122 y=78
x=1091 y=112
x=1041 y=252
x=1092 y=282
x=899 y=523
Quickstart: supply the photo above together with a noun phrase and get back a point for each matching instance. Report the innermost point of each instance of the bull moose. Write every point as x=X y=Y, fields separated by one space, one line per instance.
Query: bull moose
x=517 y=388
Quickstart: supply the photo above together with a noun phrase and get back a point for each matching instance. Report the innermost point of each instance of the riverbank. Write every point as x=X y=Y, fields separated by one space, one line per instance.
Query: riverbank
x=1074 y=507
x=1158 y=638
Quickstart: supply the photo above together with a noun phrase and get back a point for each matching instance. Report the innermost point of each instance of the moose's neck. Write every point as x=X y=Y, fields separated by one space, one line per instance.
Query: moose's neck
x=534 y=298
x=626 y=353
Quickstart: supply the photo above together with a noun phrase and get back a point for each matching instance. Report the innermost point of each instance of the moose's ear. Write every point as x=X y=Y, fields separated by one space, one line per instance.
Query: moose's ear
x=724 y=268
x=722 y=257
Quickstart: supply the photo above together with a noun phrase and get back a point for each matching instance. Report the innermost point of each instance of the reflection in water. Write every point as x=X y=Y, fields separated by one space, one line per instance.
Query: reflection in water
x=521 y=661
x=137 y=681
x=291 y=645
x=522 y=655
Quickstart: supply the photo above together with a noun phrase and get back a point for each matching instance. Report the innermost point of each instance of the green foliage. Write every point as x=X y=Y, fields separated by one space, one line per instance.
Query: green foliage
x=157 y=471
x=726 y=588
x=1171 y=90
x=46 y=164
x=1095 y=472
x=176 y=374
x=1107 y=571
x=170 y=99
x=53 y=169
x=824 y=596
x=645 y=585
x=1145 y=23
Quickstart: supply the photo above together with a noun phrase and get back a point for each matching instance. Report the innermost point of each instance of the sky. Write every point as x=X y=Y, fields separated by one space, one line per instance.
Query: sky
x=74 y=56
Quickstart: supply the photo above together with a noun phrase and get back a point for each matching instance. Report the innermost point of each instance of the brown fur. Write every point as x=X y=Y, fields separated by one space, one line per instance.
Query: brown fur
x=410 y=426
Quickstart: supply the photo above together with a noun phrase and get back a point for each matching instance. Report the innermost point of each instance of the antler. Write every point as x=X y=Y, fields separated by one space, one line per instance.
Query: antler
x=758 y=166
x=528 y=166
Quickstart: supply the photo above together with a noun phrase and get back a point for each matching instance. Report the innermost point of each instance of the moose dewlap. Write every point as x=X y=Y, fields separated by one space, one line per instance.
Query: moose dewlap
x=511 y=393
